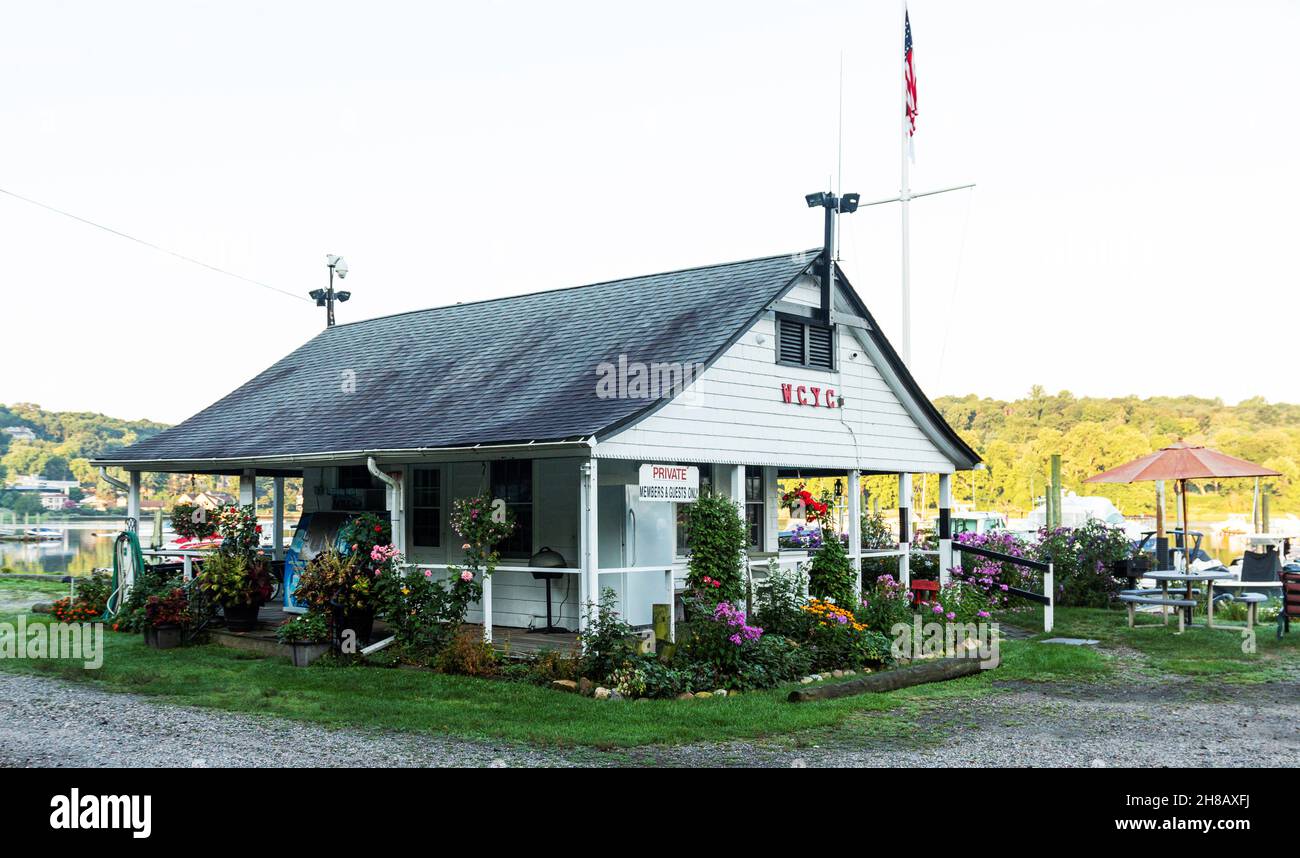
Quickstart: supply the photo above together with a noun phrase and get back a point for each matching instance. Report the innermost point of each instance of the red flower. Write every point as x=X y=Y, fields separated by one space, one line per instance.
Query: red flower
x=257 y=529
x=379 y=528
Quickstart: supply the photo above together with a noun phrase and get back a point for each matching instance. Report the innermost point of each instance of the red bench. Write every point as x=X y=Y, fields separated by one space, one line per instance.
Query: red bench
x=922 y=586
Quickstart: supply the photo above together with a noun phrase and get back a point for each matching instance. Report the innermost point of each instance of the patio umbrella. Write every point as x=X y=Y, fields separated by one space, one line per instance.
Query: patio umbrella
x=1182 y=462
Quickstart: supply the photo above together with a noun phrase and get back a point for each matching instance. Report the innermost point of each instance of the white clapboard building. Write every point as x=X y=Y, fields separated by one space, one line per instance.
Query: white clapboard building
x=594 y=412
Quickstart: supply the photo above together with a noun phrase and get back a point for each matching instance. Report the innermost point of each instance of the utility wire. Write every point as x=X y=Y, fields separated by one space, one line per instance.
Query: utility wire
x=152 y=246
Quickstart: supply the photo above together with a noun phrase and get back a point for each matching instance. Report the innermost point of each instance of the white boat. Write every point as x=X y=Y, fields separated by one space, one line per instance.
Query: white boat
x=42 y=533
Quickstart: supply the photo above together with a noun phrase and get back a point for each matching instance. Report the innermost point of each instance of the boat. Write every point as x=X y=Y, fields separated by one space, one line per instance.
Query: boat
x=42 y=534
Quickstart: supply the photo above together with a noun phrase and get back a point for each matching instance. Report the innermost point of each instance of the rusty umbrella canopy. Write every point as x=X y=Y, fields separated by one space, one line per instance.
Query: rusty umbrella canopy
x=1182 y=462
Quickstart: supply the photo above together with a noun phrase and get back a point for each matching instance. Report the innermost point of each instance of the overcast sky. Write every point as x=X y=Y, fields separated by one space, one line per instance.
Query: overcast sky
x=1133 y=231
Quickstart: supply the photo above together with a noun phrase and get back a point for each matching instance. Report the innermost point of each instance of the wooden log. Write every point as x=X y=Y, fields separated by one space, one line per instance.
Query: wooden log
x=937 y=670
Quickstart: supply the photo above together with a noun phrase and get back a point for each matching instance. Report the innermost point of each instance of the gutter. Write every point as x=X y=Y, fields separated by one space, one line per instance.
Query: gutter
x=298 y=459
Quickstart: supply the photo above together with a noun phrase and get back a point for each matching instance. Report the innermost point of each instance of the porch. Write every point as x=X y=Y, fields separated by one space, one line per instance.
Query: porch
x=590 y=509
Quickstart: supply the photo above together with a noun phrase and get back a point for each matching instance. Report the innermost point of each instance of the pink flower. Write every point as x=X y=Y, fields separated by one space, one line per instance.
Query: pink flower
x=938 y=609
x=951 y=615
x=467 y=575
x=428 y=573
x=465 y=547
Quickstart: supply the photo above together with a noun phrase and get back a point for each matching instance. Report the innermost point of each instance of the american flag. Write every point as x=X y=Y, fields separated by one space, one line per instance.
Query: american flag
x=909 y=81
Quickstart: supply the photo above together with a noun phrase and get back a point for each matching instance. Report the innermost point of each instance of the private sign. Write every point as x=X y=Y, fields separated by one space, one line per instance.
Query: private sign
x=674 y=483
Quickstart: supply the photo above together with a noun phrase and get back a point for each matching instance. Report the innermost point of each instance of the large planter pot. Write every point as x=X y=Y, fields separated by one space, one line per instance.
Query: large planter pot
x=304 y=652
x=165 y=637
x=240 y=618
x=360 y=621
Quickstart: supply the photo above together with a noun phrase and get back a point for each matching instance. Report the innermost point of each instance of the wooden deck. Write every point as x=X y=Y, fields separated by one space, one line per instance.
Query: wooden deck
x=511 y=642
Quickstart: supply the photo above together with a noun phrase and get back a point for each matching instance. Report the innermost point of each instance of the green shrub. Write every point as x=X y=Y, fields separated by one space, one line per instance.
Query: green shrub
x=235 y=579
x=837 y=638
x=957 y=603
x=717 y=536
x=131 y=617
x=1081 y=559
x=780 y=600
x=606 y=641
x=308 y=628
x=885 y=603
x=549 y=665
x=424 y=610
x=831 y=575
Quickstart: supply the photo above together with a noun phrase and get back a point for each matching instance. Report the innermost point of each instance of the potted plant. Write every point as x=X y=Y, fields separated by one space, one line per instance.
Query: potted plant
x=237 y=577
x=334 y=585
x=308 y=635
x=165 y=619
x=239 y=584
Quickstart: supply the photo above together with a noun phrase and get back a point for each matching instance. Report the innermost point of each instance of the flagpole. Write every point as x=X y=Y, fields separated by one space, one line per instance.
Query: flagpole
x=904 y=198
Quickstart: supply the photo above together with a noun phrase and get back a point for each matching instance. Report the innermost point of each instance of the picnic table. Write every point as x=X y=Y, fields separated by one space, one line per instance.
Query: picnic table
x=1164 y=579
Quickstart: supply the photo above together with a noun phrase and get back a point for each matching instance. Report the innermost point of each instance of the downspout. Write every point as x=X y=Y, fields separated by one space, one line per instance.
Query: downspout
x=398 y=501
x=113 y=481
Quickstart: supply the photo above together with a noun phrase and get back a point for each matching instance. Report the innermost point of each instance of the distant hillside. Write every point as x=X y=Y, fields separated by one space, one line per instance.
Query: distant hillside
x=1017 y=438
x=64 y=441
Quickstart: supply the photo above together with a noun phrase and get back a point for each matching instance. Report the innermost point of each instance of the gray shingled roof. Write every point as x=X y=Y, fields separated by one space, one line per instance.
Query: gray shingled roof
x=502 y=371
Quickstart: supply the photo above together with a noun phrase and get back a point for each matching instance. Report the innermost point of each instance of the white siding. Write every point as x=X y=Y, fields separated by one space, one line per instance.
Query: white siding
x=518 y=600
x=739 y=415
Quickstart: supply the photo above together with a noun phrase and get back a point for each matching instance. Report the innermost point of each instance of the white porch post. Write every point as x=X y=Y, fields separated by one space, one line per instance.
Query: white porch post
x=589 y=552
x=771 y=510
x=905 y=529
x=248 y=487
x=277 y=521
x=855 y=531
x=945 y=527
x=133 y=499
x=738 y=485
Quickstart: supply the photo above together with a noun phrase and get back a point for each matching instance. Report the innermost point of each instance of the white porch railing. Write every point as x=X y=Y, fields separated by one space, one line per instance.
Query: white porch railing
x=486 y=603
x=793 y=560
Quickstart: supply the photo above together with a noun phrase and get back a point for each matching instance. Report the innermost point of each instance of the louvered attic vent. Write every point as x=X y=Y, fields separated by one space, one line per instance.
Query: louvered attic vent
x=805 y=344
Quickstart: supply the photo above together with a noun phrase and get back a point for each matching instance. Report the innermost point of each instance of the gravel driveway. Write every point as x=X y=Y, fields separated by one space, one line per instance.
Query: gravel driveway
x=49 y=722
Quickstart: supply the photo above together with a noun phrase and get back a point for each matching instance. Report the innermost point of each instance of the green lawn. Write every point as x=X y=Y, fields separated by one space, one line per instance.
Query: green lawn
x=32 y=585
x=423 y=702
x=419 y=701
x=1199 y=652
x=18 y=594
